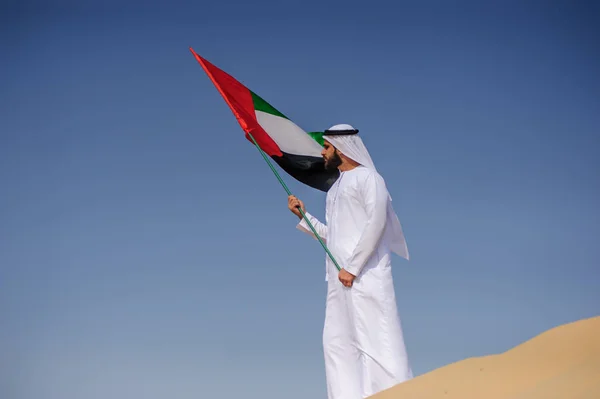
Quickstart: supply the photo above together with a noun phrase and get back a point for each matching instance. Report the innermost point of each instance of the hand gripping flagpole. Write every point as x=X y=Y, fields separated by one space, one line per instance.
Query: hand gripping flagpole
x=290 y=193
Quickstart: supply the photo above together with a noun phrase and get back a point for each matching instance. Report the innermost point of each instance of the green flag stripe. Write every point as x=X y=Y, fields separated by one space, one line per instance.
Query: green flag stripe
x=318 y=136
x=262 y=105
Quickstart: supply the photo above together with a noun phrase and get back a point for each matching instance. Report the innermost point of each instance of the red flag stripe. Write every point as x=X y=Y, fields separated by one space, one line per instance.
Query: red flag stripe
x=239 y=99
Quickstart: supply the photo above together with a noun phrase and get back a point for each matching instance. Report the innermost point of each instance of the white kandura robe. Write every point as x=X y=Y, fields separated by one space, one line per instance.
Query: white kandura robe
x=363 y=341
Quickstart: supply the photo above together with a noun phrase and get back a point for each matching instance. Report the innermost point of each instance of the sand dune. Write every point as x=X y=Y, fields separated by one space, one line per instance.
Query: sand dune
x=561 y=363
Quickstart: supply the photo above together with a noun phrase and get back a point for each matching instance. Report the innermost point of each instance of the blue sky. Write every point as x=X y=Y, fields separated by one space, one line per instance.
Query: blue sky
x=146 y=248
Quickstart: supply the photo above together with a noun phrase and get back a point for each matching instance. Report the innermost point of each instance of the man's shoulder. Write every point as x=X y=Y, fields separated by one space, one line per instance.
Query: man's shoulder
x=367 y=179
x=363 y=173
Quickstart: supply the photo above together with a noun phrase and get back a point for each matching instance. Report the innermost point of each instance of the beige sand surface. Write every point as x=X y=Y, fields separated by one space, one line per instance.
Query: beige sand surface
x=561 y=363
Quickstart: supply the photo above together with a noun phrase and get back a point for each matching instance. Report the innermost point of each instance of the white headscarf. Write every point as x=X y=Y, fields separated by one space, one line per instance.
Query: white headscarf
x=352 y=146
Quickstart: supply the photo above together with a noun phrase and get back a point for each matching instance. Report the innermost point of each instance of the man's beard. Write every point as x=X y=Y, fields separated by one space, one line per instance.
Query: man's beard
x=333 y=162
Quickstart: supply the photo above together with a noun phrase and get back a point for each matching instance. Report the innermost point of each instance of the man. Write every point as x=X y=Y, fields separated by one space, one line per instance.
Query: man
x=363 y=341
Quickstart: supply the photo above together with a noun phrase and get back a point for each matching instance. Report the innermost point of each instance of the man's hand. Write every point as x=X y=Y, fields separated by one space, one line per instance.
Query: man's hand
x=346 y=278
x=293 y=204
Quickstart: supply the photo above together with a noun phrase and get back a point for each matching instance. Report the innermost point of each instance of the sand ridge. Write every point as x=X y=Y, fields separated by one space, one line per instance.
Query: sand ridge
x=563 y=362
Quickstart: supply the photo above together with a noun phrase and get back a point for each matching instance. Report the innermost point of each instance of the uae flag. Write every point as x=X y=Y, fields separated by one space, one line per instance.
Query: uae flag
x=297 y=152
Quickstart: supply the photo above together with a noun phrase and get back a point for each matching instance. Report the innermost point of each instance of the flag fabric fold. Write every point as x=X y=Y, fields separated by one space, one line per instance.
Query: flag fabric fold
x=297 y=152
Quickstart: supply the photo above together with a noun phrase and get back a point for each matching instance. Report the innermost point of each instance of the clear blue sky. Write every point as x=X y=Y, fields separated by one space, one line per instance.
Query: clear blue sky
x=146 y=250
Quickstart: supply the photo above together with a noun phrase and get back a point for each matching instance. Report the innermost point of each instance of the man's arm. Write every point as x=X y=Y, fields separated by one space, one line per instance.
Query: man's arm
x=375 y=200
x=320 y=228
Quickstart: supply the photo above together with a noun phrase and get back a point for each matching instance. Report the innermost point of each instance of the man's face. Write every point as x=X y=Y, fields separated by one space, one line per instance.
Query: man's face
x=331 y=156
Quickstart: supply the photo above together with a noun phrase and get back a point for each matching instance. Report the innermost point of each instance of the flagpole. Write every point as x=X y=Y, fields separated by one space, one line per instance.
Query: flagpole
x=290 y=193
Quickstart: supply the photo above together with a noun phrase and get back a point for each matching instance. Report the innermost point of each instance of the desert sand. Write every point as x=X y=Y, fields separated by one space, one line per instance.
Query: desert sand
x=561 y=363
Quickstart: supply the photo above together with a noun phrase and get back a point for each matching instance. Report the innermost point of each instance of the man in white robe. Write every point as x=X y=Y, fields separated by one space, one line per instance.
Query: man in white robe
x=363 y=342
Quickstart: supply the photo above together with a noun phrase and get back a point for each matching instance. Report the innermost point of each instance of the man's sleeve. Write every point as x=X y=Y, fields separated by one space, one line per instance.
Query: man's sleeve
x=319 y=227
x=375 y=199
